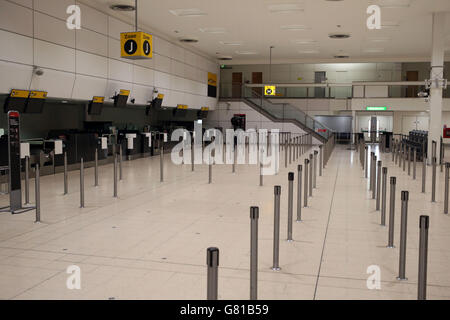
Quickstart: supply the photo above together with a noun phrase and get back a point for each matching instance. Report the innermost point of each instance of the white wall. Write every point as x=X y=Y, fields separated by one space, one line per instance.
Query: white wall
x=79 y=64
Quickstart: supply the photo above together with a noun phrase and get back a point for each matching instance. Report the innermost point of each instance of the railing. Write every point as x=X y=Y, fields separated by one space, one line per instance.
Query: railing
x=334 y=91
x=286 y=111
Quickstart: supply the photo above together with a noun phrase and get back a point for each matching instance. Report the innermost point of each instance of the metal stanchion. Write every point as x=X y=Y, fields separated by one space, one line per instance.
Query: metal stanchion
x=210 y=171
x=115 y=176
x=299 y=193
x=37 y=193
x=423 y=258
x=403 y=235
x=120 y=162
x=285 y=155
x=27 y=180
x=383 y=197
x=66 y=185
x=447 y=168
x=441 y=155
x=192 y=156
x=276 y=230
x=409 y=160
x=254 y=216
x=366 y=162
x=378 y=186
x=414 y=163
x=404 y=157
x=305 y=191
x=310 y=183
x=290 y=205
x=234 y=161
x=81 y=183
x=371 y=171
x=212 y=261
x=393 y=150
x=161 y=162
x=96 y=168
x=315 y=169
x=433 y=181
x=290 y=149
x=374 y=179
x=320 y=160
x=424 y=171
x=392 y=213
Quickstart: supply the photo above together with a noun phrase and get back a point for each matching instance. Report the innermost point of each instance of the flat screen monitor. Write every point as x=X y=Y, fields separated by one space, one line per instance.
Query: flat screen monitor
x=95 y=108
x=35 y=106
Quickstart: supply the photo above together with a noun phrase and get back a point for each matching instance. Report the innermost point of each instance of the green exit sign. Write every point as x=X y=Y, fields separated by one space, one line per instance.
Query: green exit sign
x=376 y=108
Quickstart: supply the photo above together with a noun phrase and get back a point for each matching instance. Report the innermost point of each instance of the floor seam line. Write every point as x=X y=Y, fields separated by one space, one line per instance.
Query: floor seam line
x=326 y=231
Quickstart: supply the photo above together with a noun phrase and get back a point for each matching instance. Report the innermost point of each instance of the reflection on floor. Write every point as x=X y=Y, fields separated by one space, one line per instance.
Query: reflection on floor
x=151 y=242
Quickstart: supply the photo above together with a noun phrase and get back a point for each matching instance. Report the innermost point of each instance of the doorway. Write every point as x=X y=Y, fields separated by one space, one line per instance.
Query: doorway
x=319 y=77
x=412 y=91
x=236 y=84
x=257 y=78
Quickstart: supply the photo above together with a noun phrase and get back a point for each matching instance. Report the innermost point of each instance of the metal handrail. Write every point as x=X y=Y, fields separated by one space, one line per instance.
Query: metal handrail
x=257 y=96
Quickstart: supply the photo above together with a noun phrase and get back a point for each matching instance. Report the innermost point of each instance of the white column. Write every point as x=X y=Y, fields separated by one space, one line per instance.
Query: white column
x=437 y=72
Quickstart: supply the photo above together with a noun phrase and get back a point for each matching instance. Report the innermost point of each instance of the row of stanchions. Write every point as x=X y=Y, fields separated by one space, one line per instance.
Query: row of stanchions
x=399 y=154
x=320 y=157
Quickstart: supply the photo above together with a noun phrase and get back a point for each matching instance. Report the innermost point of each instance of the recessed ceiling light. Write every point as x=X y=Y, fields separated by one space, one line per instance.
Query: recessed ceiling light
x=188 y=40
x=213 y=30
x=122 y=7
x=294 y=27
x=304 y=41
x=231 y=43
x=285 y=8
x=246 y=52
x=339 y=35
x=225 y=58
x=188 y=12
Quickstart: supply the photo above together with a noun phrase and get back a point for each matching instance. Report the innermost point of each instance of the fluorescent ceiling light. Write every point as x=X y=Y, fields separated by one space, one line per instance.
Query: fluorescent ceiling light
x=392 y=4
x=232 y=43
x=304 y=41
x=379 y=39
x=308 y=51
x=285 y=8
x=246 y=52
x=389 y=24
x=188 y=12
x=213 y=30
x=373 y=50
x=294 y=27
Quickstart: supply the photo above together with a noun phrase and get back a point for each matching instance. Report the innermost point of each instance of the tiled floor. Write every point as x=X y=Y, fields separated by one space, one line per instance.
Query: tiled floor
x=151 y=242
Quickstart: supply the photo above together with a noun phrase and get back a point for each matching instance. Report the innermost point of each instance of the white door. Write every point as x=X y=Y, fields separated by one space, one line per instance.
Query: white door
x=423 y=123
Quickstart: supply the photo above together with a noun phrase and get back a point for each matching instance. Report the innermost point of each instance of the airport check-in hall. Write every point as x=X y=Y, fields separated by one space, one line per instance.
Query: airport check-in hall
x=224 y=150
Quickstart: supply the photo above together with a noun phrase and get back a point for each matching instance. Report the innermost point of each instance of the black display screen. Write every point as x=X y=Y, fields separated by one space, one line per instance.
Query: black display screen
x=35 y=106
x=16 y=104
x=14 y=149
x=95 y=108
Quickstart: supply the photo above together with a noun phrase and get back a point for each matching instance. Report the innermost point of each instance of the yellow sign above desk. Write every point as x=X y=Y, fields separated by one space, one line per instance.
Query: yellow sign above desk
x=136 y=45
